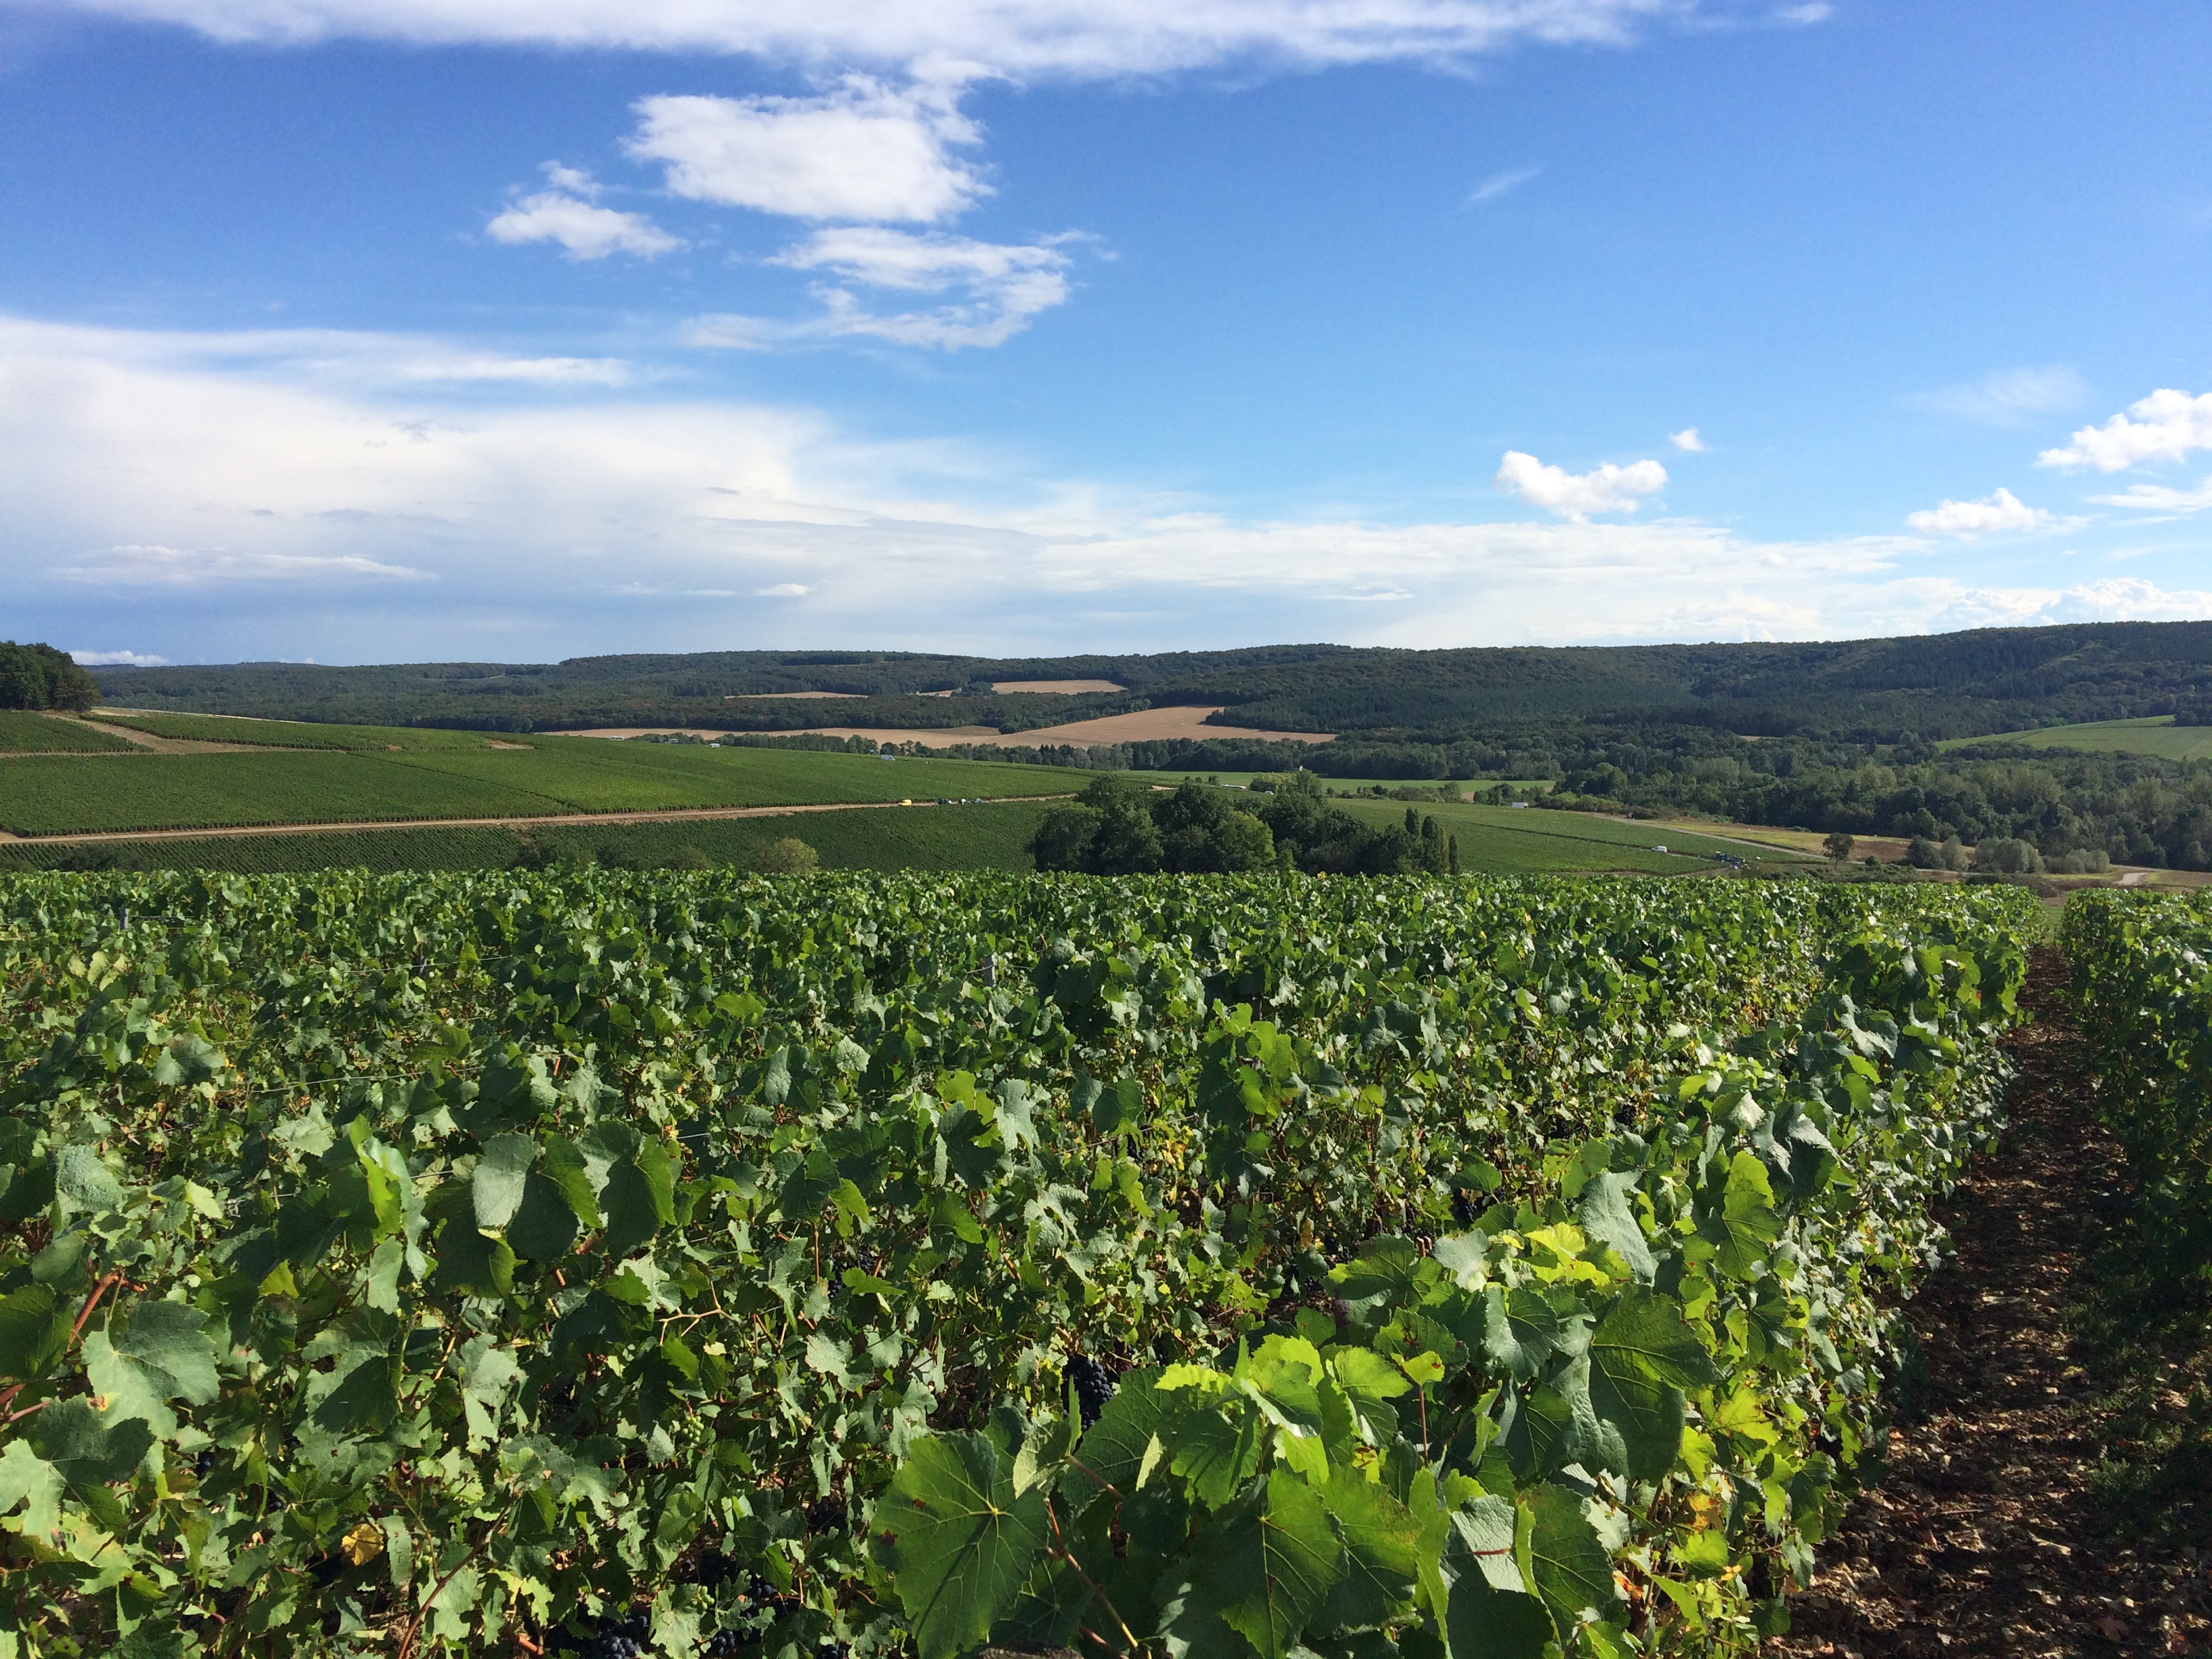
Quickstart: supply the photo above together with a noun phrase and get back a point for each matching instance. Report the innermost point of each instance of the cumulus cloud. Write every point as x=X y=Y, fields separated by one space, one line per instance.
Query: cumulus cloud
x=2003 y=511
x=2163 y=427
x=996 y=289
x=117 y=660
x=1688 y=440
x=1500 y=184
x=2161 y=498
x=1576 y=495
x=2010 y=397
x=584 y=229
x=865 y=151
x=1082 y=38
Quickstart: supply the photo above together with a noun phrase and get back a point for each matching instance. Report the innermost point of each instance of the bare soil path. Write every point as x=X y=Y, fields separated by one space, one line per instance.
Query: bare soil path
x=1995 y=1528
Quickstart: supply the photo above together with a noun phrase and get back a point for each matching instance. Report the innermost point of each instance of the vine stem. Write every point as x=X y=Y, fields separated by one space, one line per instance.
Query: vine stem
x=1060 y=1548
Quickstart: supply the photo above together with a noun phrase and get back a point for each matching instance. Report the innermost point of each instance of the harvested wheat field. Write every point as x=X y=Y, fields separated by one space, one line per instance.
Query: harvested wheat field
x=1057 y=688
x=1149 y=724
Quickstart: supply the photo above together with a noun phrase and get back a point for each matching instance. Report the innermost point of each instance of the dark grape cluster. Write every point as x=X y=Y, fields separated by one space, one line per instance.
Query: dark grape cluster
x=1093 y=1388
x=1463 y=1211
x=727 y=1643
x=826 y=1514
x=712 y=1570
x=623 y=1641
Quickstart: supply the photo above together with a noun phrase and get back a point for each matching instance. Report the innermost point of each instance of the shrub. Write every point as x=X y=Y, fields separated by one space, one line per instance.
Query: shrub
x=787 y=855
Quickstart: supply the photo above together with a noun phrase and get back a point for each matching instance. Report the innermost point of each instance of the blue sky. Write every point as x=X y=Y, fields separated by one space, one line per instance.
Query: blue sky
x=374 y=330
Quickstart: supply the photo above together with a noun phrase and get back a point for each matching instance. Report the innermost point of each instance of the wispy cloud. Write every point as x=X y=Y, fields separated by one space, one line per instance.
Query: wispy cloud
x=2000 y=512
x=1688 y=440
x=2010 y=397
x=1501 y=184
x=994 y=289
x=138 y=565
x=1091 y=38
x=2164 y=427
x=2160 y=500
x=1576 y=495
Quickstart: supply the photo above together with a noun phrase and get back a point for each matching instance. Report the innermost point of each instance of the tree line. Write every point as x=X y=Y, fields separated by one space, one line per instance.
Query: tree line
x=1120 y=826
x=38 y=676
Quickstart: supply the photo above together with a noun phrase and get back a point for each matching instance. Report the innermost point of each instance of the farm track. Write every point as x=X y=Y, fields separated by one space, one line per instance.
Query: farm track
x=1989 y=1533
x=573 y=820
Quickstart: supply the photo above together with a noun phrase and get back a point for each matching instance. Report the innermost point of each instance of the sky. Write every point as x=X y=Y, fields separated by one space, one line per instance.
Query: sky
x=359 y=331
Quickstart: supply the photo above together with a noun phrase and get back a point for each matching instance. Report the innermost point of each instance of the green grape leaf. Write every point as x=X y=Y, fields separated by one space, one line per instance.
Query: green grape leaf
x=29 y=1480
x=961 y=1542
x=1606 y=1214
x=86 y=1183
x=1572 y=1570
x=34 y=1331
x=545 y=1226
x=1261 y=1567
x=502 y=1174
x=1382 y=1549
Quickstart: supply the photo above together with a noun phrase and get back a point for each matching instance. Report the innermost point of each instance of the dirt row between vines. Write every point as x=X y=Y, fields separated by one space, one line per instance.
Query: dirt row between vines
x=1994 y=1529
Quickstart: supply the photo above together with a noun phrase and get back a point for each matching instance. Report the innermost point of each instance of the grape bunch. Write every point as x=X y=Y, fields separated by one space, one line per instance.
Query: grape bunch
x=826 y=1514
x=1093 y=1388
x=623 y=1641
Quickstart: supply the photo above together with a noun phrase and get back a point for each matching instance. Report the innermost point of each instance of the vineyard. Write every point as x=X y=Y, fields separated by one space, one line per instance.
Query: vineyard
x=1213 y=1266
x=25 y=733
x=55 y=794
x=2142 y=968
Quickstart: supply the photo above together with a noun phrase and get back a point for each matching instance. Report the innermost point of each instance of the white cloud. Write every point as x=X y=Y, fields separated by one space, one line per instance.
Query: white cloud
x=2161 y=498
x=783 y=591
x=2003 y=511
x=137 y=565
x=2010 y=397
x=584 y=230
x=117 y=660
x=2163 y=427
x=523 y=371
x=1576 y=495
x=1688 y=440
x=1500 y=184
x=999 y=288
x=865 y=151
x=1083 y=37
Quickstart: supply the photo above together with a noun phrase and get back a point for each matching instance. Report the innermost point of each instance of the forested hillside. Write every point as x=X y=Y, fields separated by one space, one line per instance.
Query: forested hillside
x=1953 y=685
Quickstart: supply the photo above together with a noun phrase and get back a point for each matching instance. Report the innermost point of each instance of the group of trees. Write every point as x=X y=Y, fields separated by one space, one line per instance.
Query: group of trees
x=40 y=677
x=1121 y=826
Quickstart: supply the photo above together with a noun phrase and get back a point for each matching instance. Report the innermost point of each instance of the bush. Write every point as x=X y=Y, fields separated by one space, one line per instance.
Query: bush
x=787 y=855
x=2093 y=862
x=2006 y=855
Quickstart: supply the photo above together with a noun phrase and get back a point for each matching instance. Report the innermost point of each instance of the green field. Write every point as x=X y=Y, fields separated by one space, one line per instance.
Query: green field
x=987 y=837
x=58 y=795
x=299 y=734
x=2160 y=737
x=25 y=733
x=1515 y=841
